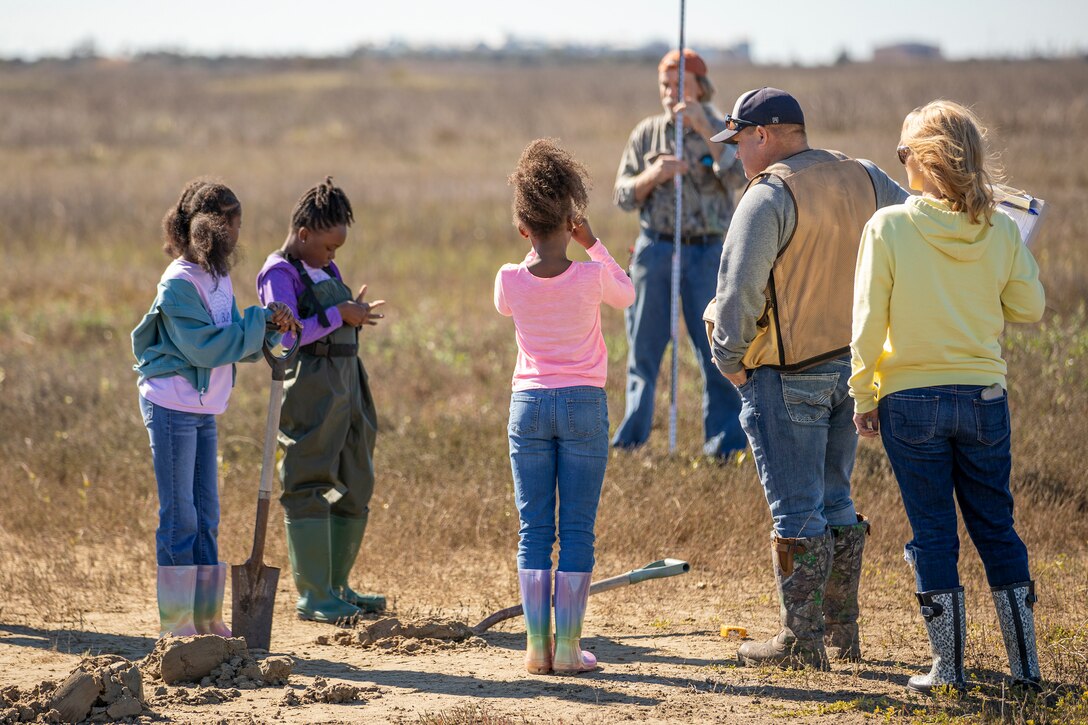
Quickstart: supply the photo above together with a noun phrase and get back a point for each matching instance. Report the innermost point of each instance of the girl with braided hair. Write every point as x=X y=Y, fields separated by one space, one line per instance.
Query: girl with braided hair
x=328 y=423
x=558 y=411
x=185 y=349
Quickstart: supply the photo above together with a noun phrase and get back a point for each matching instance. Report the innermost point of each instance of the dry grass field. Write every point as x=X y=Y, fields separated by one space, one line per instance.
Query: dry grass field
x=93 y=154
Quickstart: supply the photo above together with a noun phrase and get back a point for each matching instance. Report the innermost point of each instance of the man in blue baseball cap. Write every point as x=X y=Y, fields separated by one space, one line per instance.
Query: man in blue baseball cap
x=780 y=329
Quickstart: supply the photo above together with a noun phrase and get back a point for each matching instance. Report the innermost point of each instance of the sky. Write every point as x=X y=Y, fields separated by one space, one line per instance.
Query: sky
x=779 y=31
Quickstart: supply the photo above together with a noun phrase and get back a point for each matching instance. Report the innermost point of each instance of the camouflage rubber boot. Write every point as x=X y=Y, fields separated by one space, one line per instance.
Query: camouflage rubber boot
x=1015 y=605
x=946 y=625
x=841 y=597
x=801 y=568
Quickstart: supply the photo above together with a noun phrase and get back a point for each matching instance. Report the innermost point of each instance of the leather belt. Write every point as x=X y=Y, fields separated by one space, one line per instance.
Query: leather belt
x=667 y=237
x=325 y=349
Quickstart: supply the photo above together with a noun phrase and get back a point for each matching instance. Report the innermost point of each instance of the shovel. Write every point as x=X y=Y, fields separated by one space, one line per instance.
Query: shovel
x=654 y=570
x=253 y=585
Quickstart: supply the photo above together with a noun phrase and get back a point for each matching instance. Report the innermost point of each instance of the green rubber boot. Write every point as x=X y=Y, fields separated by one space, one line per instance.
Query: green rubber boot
x=308 y=546
x=347 y=538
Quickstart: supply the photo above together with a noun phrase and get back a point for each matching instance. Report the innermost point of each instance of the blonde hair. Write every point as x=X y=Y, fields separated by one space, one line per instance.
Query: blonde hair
x=948 y=142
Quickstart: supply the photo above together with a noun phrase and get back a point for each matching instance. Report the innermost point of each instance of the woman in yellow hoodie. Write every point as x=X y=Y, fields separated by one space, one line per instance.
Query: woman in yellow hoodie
x=937 y=278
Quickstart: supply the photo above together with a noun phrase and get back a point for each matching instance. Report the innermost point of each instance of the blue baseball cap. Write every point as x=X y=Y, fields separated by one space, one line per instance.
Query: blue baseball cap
x=760 y=107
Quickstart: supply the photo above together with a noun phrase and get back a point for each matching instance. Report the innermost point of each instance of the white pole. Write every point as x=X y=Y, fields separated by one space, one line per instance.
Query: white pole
x=678 y=183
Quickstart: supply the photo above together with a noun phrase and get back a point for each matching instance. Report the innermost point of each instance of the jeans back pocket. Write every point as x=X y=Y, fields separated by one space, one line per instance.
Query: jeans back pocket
x=912 y=418
x=524 y=414
x=992 y=420
x=587 y=417
x=807 y=396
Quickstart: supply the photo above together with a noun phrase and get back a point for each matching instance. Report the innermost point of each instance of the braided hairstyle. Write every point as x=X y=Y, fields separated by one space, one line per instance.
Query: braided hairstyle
x=323 y=207
x=550 y=186
x=198 y=227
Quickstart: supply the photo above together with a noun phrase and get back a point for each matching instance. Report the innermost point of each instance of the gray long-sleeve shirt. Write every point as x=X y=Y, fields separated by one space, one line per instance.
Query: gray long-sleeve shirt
x=763 y=222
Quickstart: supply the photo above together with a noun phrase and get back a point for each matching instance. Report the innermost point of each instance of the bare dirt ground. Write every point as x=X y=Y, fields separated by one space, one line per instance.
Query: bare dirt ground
x=95 y=151
x=658 y=663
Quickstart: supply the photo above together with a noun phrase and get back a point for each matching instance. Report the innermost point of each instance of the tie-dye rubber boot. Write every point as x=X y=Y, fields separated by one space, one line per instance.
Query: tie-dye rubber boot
x=571 y=597
x=211 y=580
x=175 y=587
x=536 y=602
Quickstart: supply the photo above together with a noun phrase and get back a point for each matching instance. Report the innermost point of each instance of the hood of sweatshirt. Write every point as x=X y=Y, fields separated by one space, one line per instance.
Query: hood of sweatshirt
x=947 y=230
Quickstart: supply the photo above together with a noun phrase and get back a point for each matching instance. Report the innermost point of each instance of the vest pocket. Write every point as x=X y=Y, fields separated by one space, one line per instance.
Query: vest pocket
x=807 y=396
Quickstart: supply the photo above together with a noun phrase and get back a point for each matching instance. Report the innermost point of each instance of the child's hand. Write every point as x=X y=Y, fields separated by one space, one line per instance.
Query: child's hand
x=580 y=231
x=283 y=319
x=359 y=312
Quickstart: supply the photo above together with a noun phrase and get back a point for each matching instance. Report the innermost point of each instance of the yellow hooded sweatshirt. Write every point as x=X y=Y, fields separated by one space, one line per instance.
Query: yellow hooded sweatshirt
x=932 y=293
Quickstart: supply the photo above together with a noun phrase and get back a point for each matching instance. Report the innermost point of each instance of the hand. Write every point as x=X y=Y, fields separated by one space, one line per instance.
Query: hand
x=283 y=319
x=580 y=231
x=665 y=167
x=738 y=378
x=358 y=312
x=868 y=424
x=694 y=117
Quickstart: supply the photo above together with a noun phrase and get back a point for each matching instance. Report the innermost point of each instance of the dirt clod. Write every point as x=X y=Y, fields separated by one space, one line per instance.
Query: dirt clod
x=407 y=637
x=335 y=693
x=276 y=670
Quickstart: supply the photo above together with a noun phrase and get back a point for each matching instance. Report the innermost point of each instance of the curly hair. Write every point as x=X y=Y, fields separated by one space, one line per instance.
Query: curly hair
x=948 y=142
x=550 y=186
x=322 y=207
x=198 y=226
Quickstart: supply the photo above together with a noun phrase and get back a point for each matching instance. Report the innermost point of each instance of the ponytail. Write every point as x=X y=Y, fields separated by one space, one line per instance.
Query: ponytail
x=198 y=227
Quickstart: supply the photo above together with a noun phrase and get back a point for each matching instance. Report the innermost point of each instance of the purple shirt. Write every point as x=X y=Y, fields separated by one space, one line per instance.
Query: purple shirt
x=279 y=282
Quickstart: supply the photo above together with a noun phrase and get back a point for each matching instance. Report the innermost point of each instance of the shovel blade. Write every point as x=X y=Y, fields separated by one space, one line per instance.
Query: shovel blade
x=253 y=599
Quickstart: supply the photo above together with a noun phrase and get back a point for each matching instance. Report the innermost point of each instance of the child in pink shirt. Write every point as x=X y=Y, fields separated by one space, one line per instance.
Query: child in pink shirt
x=558 y=411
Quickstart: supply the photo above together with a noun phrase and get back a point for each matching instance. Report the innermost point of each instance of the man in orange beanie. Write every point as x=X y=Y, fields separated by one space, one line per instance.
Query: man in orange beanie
x=711 y=174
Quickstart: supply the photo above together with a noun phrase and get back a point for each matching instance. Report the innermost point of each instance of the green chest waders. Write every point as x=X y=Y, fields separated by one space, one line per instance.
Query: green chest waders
x=328 y=427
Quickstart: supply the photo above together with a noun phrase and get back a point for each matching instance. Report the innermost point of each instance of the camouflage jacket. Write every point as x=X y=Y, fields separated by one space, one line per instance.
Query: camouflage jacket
x=709 y=185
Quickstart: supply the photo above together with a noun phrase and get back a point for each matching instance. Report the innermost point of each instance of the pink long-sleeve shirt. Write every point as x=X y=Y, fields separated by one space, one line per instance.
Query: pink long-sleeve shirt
x=557 y=320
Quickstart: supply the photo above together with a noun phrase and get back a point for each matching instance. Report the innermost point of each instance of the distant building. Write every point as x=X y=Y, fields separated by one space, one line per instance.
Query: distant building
x=900 y=53
x=736 y=54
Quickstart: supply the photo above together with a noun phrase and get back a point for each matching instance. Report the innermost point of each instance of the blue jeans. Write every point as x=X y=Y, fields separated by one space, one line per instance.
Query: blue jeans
x=801 y=428
x=648 y=334
x=558 y=449
x=183 y=449
x=947 y=444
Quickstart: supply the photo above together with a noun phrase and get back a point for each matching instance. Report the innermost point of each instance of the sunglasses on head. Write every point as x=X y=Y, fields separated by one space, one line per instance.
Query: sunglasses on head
x=902 y=152
x=738 y=124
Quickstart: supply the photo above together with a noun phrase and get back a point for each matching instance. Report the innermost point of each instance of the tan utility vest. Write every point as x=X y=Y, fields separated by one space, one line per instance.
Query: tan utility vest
x=810 y=292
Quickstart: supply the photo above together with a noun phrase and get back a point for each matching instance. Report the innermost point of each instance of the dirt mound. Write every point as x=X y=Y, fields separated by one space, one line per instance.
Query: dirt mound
x=334 y=693
x=102 y=688
x=191 y=659
x=26 y=705
x=407 y=637
x=221 y=669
